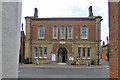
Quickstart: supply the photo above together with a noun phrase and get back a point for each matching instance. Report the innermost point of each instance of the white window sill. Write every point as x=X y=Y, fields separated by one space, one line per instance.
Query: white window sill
x=83 y=58
x=83 y=38
x=35 y=57
x=40 y=57
x=40 y=37
x=88 y=58
x=45 y=57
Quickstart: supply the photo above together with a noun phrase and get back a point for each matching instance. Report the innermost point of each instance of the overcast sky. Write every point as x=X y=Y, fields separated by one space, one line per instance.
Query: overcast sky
x=68 y=8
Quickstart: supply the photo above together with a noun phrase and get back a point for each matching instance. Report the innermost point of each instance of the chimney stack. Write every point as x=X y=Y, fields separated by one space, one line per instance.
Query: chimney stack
x=103 y=43
x=90 y=12
x=36 y=13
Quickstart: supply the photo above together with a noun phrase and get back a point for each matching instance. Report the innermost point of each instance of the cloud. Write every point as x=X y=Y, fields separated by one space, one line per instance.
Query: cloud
x=67 y=8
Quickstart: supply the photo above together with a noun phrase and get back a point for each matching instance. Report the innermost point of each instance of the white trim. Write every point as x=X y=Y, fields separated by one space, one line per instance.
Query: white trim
x=40 y=57
x=35 y=57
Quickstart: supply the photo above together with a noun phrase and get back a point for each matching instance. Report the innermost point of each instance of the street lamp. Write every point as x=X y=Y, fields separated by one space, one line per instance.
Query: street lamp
x=98 y=38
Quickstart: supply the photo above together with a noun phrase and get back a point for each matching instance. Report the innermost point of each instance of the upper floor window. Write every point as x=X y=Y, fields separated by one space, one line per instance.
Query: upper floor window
x=55 y=32
x=69 y=32
x=35 y=52
x=41 y=32
x=84 y=32
x=62 y=32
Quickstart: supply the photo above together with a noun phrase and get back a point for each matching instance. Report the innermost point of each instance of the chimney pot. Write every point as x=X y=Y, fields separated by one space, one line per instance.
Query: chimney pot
x=90 y=11
x=36 y=12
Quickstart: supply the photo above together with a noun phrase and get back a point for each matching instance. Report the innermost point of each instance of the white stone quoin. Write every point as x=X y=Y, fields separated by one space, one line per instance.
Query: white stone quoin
x=11 y=23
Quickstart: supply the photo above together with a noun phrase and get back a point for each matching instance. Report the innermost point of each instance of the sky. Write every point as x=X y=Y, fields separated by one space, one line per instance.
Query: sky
x=68 y=8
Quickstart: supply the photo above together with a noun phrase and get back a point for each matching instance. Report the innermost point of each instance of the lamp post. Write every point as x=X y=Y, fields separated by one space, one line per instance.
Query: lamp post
x=98 y=39
x=22 y=45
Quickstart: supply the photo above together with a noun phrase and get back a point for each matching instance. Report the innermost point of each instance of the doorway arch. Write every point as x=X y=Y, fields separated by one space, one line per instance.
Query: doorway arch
x=62 y=55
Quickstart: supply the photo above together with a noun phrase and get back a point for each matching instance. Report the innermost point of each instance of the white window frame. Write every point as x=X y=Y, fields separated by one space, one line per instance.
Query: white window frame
x=90 y=53
x=43 y=32
x=82 y=53
x=35 y=52
x=82 y=33
x=79 y=53
x=69 y=32
x=62 y=37
x=54 y=32
x=45 y=52
x=40 y=50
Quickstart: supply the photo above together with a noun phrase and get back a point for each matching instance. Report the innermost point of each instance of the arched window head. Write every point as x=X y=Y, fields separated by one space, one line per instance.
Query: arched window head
x=84 y=32
x=41 y=32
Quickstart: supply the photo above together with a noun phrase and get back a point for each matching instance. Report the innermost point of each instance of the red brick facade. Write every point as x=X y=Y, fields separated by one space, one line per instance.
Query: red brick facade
x=22 y=46
x=114 y=22
x=76 y=31
x=104 y=49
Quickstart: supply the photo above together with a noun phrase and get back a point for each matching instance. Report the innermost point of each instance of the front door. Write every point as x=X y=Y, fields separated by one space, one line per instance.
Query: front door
x=62 y=55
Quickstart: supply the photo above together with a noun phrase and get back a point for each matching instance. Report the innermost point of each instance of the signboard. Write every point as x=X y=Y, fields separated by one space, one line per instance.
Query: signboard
x=53 y=57
x=70 y=58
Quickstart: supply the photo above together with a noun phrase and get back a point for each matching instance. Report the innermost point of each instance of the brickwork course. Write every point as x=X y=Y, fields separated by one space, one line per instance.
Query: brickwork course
x=114 y=22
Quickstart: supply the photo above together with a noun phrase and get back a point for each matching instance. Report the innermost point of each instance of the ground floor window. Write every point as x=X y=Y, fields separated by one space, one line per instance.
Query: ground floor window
x=89 y=53
x=84 y=53
x=35 y=52
x=45 y=52
x=79 y=52
x=40 y=52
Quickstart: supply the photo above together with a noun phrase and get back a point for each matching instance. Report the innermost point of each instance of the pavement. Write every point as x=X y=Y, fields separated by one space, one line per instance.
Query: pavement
x=104 y=64
x=64 y=71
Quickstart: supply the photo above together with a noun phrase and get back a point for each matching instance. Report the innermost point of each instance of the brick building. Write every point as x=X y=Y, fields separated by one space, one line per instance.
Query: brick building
x=62 y=40
x=22 y=47
x=114 y=22
x=104 y=49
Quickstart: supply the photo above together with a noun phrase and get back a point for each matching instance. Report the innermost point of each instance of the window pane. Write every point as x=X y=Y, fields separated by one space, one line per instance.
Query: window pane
x=84 y=52
x=40 y=52
x=79 y=52
x=89 y=52
x=41 y=31
x=45 y=52
x=55 y=32
x=62 y=32
x=70 y=32
x=84 y=32
x=35 y=53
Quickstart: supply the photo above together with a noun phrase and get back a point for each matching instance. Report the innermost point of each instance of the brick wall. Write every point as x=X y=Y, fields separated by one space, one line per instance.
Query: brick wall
x=103 y=53
x=114 y=22
x=76 y=28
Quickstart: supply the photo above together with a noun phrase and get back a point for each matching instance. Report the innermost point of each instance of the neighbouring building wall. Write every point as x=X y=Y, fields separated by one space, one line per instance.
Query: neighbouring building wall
x=114 y=22
x=0 y=40
x=11 y=22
